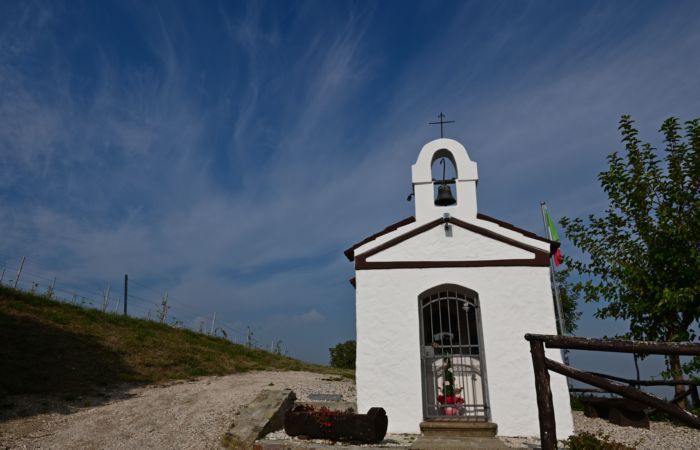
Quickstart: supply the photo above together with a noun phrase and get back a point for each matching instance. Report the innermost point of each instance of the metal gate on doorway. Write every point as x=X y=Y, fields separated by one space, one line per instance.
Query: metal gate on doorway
x=453 y=372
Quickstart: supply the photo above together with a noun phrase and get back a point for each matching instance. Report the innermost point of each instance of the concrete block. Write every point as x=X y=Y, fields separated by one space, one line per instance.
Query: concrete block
x=263 y=415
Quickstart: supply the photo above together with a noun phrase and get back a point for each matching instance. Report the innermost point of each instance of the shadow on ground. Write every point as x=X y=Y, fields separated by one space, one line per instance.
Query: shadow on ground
x=48 y=369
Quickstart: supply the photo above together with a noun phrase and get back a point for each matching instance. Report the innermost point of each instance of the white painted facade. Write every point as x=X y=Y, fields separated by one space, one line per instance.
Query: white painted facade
x=513 y=299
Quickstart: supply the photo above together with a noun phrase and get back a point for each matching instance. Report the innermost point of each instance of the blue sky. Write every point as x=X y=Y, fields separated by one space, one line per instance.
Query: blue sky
x=228 y=152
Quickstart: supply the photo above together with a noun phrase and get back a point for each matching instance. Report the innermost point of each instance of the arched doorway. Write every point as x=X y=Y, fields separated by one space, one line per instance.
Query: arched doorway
x=452 y=354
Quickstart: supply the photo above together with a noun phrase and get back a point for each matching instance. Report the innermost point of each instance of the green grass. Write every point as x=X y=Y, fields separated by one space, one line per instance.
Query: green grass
x=576 y=403
x=49 y=347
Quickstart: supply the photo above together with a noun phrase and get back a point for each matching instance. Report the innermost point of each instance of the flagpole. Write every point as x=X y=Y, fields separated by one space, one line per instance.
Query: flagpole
x=557 y=297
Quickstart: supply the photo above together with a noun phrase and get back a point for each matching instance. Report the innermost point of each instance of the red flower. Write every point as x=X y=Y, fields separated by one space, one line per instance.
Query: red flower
x=449 y=400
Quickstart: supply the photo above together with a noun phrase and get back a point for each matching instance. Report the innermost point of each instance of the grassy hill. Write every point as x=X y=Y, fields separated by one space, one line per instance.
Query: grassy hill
x=48 y=347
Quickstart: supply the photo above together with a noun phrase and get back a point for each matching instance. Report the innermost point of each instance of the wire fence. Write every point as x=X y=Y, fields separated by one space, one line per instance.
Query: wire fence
x=143 y=301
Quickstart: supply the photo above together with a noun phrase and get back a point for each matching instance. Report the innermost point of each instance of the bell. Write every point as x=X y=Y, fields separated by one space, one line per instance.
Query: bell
x=444 y=196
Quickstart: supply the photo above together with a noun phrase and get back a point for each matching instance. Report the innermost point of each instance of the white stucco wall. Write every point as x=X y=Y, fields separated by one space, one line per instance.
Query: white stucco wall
x=460 y=245
x=513 y=301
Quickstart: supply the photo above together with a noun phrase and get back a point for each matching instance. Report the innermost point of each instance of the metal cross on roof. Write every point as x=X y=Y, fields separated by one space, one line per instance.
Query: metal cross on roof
x=442 y=121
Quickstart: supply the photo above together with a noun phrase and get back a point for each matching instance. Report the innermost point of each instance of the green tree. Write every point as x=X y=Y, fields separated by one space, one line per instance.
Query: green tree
x=343 y=355
x=569 y=299
x=641 y=258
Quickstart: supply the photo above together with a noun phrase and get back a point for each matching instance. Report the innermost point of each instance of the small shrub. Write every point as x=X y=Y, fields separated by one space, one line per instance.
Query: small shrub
x=659 y=416
x=588 y=441
x=576 y=404
x=343 y=355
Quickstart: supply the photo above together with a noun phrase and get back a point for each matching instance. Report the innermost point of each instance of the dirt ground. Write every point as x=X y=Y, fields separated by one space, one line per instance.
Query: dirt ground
x=183 y=415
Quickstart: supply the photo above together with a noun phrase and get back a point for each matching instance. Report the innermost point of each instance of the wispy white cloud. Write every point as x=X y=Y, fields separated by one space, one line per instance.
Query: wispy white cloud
x=239 y=193
x=310 y=316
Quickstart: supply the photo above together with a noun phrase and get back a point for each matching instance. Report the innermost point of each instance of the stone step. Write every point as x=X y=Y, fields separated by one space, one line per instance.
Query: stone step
x=263 y=415
x=458 y=428
x=457 y=443
x=295 y=445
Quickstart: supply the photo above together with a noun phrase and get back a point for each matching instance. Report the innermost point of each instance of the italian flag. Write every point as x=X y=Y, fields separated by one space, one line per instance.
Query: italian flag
x=553 y=235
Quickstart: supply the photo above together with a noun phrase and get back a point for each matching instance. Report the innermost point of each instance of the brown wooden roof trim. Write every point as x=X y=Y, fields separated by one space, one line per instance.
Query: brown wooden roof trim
x=538 y=261
x=350 y=253
x=553 y=244
x=541 y=257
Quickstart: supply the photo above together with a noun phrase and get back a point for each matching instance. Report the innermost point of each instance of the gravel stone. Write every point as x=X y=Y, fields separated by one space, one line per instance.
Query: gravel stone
x=660 y=435
x=195 y=414
x=182 y=415
x=390 y=440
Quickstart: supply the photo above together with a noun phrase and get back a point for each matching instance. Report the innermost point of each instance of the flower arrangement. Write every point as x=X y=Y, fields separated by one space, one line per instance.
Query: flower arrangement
x=450 y=400
x=449 y=395
x=323 y=423
x=323 y=415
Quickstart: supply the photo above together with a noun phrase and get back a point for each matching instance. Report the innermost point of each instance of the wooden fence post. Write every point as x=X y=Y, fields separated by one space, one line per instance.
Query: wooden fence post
x=545 y=407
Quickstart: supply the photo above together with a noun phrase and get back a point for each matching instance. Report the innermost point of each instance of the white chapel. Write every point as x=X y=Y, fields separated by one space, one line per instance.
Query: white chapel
x=443 y=301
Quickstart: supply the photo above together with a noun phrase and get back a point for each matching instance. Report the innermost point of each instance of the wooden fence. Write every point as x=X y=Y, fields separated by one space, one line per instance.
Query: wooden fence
x=542 y=366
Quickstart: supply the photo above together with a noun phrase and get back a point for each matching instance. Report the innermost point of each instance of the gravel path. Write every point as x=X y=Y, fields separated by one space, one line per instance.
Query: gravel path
x=195 y=414
x=185 y=415
x=660 y=435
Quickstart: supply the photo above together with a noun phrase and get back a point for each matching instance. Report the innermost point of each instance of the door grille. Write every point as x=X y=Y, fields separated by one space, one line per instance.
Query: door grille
x=452 y=356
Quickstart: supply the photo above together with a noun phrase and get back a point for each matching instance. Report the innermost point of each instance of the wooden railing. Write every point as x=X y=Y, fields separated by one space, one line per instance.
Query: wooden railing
x=542 y=366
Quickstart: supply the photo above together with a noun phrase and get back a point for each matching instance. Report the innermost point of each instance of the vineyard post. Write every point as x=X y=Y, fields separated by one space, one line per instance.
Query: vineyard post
x=19 y=272
x=126 y=290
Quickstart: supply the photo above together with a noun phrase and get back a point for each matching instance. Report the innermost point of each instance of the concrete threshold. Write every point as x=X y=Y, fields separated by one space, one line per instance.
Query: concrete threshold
x=458 y=428
x=457 y=443
x=265 y=444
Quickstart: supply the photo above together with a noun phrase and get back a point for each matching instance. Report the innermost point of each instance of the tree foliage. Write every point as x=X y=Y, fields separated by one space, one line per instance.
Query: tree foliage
x=343 y=355
x=569 y=299
x=641 y=258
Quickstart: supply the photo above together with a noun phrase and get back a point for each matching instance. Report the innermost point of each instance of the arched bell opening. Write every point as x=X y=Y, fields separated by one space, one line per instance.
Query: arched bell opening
x=452 y=355
x=444 y=175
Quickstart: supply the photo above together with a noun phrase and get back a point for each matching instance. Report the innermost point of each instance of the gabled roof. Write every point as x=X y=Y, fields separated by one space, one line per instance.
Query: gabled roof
x=541 y=256
x=350 y=253
x=554 y=244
